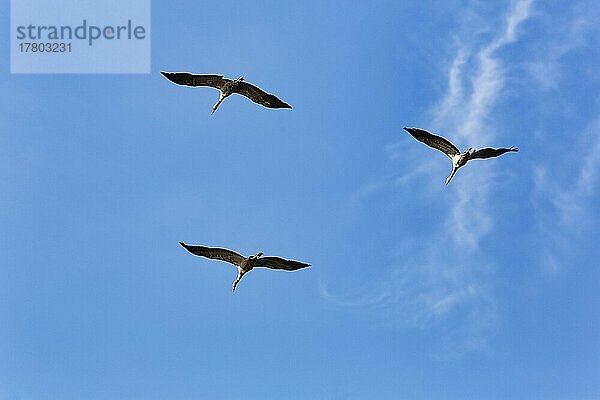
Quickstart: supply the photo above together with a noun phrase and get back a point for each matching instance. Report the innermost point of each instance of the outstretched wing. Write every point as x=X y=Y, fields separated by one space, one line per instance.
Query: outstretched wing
x=435 y=141
x=280 y=263
x=215 y=253
x=490 y=152
x=186 y=79
x=259 y=96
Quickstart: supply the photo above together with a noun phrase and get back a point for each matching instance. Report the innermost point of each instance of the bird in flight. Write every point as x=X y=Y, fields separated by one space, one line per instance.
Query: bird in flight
x=244 y=264
x=445 y=146
x=227 y=87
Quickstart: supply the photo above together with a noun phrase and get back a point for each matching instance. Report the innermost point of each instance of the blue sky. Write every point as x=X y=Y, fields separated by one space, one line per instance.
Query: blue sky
x=487 y=288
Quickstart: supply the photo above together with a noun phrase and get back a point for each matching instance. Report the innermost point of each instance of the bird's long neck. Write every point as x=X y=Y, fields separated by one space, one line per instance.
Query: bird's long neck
x=241 y=273
x=454 y=169
x=218 y=103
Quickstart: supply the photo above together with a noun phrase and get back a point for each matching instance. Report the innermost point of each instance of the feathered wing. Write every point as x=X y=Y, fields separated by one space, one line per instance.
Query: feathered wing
x=215 y=253
x=259 y=96
x=490 y=152
x=435 y=141
x=280 y=263
x=187 y=79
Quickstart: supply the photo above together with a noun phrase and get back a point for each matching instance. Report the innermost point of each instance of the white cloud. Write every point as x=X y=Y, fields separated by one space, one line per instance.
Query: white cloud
x=565 y=33
x=565 y=176
x=453 y=275
x=368 y=300
x=564 y=201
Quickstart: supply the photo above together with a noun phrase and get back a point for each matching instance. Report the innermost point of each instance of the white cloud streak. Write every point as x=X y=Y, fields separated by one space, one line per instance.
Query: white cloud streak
x=469 y=221
x=568 y=32
x=465 y=113
x=564 y=202
x=453 y=275
x=566 y=180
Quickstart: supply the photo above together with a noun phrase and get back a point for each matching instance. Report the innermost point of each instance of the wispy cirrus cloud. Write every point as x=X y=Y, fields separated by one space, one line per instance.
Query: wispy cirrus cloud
x=450 y=287
x=464 y=112
x=564 y=198
x=565 y=172
x=564 y=34
x=466 y=106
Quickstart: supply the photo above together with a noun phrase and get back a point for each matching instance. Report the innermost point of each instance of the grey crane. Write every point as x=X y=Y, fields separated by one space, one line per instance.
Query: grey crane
x=445 y=146
x=243 y=264
x=227 y=87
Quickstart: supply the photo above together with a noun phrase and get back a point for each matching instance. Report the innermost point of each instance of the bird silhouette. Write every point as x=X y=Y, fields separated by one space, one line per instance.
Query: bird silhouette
x=226 y=88
x=243 y=264
x=458 y=159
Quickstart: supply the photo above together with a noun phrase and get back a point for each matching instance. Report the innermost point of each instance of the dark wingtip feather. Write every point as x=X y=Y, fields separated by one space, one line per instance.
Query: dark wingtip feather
x=410 y=130
x=169 y=75
x=278 y=103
